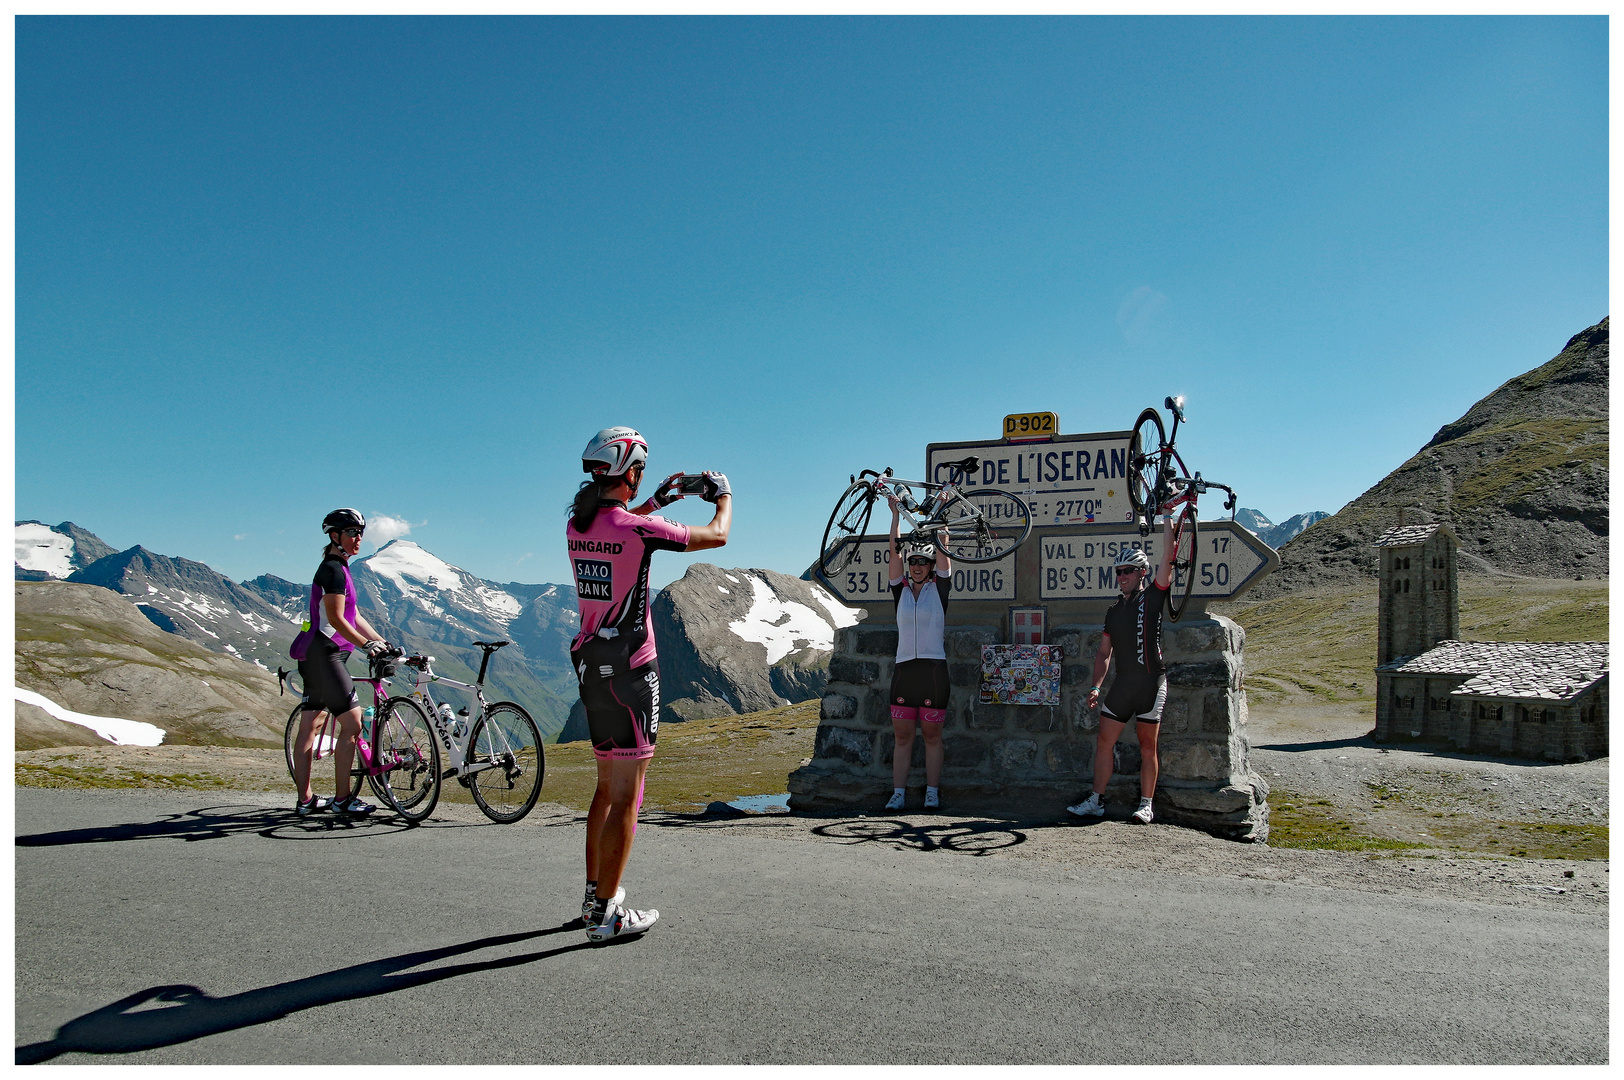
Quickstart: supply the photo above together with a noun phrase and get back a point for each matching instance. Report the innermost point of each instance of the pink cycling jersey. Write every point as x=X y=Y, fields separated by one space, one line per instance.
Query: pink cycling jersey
x=610 y=561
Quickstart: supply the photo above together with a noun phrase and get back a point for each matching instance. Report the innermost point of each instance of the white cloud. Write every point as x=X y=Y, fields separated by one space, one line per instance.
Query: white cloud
x=1137 y=314
x=383 y=528
x=240 y=536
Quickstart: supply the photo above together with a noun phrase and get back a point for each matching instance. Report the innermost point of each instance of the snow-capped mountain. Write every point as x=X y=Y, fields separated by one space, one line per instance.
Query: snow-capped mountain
x=1277 y=535
x=54 y=551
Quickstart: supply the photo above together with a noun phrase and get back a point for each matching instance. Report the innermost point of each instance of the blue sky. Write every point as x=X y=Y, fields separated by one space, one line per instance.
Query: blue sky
x=265 y=267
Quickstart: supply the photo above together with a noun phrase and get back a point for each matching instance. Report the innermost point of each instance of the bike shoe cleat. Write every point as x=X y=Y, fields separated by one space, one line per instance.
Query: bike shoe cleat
x=316 y=805
x=591 y=898
x=618 y=920
x=354 y=806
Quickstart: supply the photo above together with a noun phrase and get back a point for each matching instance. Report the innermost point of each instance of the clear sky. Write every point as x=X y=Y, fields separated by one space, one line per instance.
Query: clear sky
x=266 y=267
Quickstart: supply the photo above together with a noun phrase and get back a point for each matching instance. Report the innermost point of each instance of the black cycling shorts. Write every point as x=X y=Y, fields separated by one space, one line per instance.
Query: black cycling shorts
x=1135 y=695
x=623 y=712
x=919 y=689
x=327 y=683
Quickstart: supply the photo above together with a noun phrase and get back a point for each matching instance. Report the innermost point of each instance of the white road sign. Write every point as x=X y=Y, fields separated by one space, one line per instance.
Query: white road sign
x=866 y=579
x=1068 y=480
x=1080 y=565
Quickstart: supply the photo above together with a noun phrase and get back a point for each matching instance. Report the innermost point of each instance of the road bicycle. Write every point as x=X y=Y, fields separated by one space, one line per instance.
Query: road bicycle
x=495 y=754
x=1160 y=483
x=396 y=747
x=983 y=523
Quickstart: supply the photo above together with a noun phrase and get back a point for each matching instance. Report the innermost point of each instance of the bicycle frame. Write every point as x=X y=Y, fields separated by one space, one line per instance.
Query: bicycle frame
x=324 y=740
x=455 y=736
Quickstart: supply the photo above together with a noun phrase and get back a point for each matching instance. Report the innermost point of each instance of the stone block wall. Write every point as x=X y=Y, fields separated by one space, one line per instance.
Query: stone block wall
x=1031 y=761
x=1420 y=708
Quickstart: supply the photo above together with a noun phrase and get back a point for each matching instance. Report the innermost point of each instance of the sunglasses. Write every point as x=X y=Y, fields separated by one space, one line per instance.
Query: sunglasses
x=1126 y=570
x=921 y=562
x=353 y=534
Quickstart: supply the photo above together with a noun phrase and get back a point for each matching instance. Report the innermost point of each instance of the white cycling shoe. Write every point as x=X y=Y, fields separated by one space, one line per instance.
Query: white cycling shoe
x=1089 y=807
x=618 y=920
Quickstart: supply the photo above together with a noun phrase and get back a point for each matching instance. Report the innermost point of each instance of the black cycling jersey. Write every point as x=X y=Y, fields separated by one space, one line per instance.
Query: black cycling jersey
x=1134 y=625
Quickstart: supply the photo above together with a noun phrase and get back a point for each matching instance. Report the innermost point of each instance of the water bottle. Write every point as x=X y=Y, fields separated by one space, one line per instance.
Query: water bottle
x=447 y=717
x=368 y=715
x=462 y=722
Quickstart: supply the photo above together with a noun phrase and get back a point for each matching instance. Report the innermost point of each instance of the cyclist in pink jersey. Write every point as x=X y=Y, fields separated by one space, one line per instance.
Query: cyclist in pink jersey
x=613 y=656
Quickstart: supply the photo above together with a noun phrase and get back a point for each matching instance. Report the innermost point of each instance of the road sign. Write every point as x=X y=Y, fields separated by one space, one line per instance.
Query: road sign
x=865 y=580
x=1080 y=565
x=1031 y=427
x=1070 y=480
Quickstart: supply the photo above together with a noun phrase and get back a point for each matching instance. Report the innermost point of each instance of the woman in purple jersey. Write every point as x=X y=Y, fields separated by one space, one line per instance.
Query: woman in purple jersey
x=613 y=656
x=337 y=629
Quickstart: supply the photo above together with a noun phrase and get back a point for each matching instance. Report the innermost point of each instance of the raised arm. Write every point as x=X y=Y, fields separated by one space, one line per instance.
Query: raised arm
x=1164 y=571
x=894 y=570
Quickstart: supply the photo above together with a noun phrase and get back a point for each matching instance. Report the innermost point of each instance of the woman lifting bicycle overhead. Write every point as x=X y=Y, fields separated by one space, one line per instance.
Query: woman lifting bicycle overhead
x=613 y=655
x=919 y=685
x=336 y=628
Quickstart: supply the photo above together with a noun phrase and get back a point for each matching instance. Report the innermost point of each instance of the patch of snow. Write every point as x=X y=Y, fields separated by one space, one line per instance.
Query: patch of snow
x=782 y=626
x=111 y=728
x=503 y=606
x=840 y=613
x=261 y=666
x=723 y=591
x=731 y=578
x=404 y=560
x=151 y=589
x=39 y=547
x=256 y=623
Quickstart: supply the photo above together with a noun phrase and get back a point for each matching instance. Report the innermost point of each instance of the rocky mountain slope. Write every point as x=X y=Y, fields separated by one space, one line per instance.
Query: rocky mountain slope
x=737 y=641
x=93 y=652
x=1277 y=536
x=1521 y=479
x=409 y=595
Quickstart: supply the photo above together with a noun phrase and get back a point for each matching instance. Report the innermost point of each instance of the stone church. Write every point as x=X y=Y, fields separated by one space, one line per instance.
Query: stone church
x=1545 y=699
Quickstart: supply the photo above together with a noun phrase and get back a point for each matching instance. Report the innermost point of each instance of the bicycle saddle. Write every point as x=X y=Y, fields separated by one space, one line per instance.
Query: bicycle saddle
x=968 y=465
x=491 y=646
x=1175 y=405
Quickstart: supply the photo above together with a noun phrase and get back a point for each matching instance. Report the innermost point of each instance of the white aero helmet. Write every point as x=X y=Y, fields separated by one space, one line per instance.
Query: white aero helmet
x=1132 y=557
x=614 y=450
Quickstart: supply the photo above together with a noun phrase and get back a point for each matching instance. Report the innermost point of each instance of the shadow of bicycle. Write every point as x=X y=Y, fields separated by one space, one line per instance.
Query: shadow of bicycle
x=166 y=1015
x=963 y=837
x=215 y=822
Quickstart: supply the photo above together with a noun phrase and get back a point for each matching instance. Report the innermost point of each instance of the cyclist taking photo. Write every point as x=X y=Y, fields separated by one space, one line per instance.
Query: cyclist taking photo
x=1133 y=637
x=613 y=656
x=336 y=630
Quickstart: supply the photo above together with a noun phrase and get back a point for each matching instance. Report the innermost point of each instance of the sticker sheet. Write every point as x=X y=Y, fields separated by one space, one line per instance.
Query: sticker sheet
x=1020 y=674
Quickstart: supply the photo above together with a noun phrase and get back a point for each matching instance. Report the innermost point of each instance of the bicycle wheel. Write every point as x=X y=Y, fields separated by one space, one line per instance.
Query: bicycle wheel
x=1184 y=551
x=322 y=771
x=506 y=739
x=404 y=744
x=849 y=520
x=1145 y=464
x=984 y=524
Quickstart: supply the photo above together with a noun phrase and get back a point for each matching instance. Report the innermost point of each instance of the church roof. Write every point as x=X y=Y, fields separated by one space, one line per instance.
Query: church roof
x=1545 y=670
x=1409 y=535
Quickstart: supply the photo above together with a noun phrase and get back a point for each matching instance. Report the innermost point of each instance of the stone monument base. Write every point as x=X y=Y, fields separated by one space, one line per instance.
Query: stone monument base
x=1027 y=762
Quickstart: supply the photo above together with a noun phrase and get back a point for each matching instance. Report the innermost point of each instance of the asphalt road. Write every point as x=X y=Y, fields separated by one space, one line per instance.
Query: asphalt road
x=189 y=928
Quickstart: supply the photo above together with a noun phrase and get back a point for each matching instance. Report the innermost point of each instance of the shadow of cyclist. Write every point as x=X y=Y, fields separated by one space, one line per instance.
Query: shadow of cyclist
x=187 y=1013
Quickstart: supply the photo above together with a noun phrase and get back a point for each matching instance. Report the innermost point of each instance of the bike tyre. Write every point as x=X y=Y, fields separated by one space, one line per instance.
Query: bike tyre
x=524 y=741
x=1145 y=465
x=1014 y=530
x=1186 y=535
x=402 y=731
x=850 y=519
x=319 y=770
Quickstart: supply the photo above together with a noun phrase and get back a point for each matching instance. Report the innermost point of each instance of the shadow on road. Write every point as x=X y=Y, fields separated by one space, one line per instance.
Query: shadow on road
x=964 y=837
x=1329 y=744
x=212 y=822
x=184 y=1013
